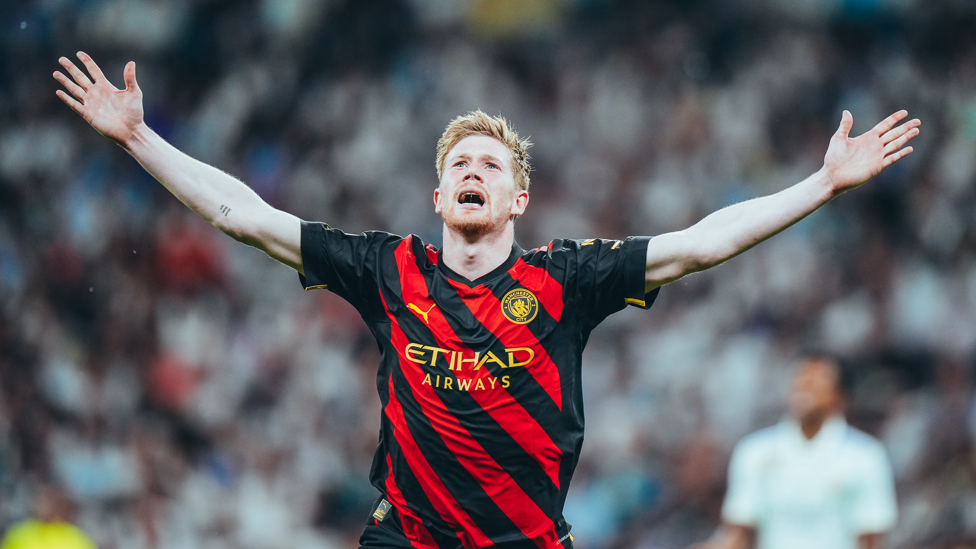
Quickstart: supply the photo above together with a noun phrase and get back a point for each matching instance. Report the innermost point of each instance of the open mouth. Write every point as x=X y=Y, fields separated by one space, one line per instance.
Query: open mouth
x=469 y=197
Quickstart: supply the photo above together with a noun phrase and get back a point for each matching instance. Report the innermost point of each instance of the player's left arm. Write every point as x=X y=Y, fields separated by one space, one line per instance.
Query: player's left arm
x=848 y=164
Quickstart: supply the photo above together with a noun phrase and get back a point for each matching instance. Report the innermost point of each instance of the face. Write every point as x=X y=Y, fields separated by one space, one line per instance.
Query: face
x=815 y=391
x=477 y=193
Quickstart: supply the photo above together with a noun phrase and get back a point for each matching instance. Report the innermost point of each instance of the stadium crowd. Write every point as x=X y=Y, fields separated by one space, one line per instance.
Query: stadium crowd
x=183 y=392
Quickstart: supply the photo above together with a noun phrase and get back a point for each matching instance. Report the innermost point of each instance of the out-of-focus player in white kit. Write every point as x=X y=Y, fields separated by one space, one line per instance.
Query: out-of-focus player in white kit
x=811 y=481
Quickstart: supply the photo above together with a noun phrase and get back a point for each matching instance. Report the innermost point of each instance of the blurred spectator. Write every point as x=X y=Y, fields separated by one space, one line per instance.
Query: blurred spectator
x=811 y=481
x=50 y=527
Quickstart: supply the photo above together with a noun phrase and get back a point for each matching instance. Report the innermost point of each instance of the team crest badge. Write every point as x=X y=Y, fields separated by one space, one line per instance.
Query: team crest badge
x=520 y=306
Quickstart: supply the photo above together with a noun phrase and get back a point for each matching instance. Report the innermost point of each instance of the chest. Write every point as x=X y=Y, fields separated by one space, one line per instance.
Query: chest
x=803 y=480
x=518 y=312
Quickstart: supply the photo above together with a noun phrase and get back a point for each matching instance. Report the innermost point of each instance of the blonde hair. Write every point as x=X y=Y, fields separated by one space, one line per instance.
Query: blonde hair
x=479 y=123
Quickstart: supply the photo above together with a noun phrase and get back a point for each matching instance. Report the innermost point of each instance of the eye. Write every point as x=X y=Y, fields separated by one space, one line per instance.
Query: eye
x=459 y=164
x=492 y=166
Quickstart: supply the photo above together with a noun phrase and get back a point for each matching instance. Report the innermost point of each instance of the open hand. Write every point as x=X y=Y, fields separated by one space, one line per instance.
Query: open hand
x=852 y=161
x=114 y=113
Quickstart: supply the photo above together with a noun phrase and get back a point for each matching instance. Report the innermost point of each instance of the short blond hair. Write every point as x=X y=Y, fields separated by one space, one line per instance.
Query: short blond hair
x=479 y=123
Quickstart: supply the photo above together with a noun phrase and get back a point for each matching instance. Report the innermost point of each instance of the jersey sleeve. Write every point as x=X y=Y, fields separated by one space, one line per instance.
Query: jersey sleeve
x=610 y=276
x=345 y=264
x=874 y=508
x=742 y=499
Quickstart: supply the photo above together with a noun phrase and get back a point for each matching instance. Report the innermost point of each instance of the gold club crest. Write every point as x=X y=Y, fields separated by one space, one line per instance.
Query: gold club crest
x=520 y=306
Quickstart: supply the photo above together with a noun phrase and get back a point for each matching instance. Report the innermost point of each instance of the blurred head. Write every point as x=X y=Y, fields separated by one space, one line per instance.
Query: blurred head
x=817 y=390
x=51 y=504
x=483 y=168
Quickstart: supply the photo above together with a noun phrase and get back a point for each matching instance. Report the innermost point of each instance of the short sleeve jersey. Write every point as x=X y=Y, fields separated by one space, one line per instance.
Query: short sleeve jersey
x=800 y=493
x=479 y=380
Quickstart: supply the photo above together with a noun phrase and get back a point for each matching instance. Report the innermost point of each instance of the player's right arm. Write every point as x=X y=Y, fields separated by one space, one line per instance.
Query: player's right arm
x=222 y=200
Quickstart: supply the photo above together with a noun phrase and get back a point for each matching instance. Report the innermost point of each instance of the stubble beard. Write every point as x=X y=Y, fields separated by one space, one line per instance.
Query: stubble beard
x=469 y=226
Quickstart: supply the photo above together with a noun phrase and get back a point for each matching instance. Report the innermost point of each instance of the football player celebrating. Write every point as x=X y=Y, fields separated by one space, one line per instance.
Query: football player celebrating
x=481 y=340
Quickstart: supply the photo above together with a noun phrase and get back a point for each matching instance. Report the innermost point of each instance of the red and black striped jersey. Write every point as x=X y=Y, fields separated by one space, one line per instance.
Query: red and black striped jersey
x=479 y=380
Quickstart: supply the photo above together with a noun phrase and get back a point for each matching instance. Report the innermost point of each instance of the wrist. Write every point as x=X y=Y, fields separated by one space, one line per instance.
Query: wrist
x=826 y=184
x=139 y=136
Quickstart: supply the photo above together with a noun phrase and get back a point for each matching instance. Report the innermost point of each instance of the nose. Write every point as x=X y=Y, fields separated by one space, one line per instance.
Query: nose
x=472 y=174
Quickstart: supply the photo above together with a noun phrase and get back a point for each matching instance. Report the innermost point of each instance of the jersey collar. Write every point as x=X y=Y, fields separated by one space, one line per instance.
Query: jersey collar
x=830 y=434
x=497 y=271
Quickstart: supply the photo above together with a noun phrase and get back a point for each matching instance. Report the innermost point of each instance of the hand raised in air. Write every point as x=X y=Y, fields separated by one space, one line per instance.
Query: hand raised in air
x=112 y=112
x=852 y=161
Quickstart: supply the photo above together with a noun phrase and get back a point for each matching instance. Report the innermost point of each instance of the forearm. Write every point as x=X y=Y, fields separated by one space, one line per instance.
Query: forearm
x=732 y=230
x=222 y=200
x=225 y=202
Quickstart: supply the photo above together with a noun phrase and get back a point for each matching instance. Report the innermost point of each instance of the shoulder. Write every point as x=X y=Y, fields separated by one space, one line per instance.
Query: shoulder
x=315 y=231
x=565 y=249
x=762 y=438
x=861 y=444
x=756 y=445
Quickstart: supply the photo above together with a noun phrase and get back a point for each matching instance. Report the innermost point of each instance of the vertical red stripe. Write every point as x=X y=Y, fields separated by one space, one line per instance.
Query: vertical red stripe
x=413 y=527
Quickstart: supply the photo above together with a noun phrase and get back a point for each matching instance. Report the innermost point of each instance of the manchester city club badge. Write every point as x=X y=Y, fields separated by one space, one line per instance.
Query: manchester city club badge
x=520 y=306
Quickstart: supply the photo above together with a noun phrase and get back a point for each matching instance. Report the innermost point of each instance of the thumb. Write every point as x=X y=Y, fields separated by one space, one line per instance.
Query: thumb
x=129 y=74
x=846 y=123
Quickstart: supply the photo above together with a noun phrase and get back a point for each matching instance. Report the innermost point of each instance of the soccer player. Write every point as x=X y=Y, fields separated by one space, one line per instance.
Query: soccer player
x=811 y=481
x=481 y=340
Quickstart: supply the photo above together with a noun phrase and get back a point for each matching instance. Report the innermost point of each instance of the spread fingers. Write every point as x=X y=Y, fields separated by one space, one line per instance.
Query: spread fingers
x=91 y=66
x=889 y=122
x=75 y=89
x=900 y=142
x=75 y=105
x=895 y=133
x=79 y=77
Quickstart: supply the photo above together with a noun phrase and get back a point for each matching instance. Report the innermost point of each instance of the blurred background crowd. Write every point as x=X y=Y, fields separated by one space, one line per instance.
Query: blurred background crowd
x=179 y=390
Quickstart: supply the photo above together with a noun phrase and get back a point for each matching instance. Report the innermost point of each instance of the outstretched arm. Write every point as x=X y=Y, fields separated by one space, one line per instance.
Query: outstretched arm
x=849 y=163
x=225 y=202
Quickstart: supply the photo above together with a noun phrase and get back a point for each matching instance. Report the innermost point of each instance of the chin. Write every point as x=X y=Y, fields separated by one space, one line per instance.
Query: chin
x=469 y=227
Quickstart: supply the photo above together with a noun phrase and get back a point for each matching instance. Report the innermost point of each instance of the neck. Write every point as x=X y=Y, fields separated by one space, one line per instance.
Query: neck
x=475 y=256
x=812 y=424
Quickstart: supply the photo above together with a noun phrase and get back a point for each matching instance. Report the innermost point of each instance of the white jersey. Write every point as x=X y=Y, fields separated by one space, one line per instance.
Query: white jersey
x=798 y=493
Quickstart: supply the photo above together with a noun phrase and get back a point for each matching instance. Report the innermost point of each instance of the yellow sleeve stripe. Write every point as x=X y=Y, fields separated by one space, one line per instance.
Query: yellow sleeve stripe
x=632 y=301
x=319 y=287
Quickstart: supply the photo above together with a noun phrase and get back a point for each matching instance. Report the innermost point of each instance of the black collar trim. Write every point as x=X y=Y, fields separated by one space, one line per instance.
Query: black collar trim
x=496 y=272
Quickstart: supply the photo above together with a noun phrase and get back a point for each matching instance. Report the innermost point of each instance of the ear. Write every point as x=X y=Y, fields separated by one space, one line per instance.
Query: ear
x=437 y=200
x=520 y=202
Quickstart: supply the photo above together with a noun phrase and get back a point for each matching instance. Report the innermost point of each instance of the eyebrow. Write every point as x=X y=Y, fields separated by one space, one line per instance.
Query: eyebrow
x=485 y=156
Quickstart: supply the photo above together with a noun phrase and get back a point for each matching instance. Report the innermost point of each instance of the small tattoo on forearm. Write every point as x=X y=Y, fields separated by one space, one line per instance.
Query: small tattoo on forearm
x=224 y=210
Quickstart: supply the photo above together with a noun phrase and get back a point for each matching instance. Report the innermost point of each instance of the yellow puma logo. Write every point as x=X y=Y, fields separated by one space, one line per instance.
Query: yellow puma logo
x=417 y=310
